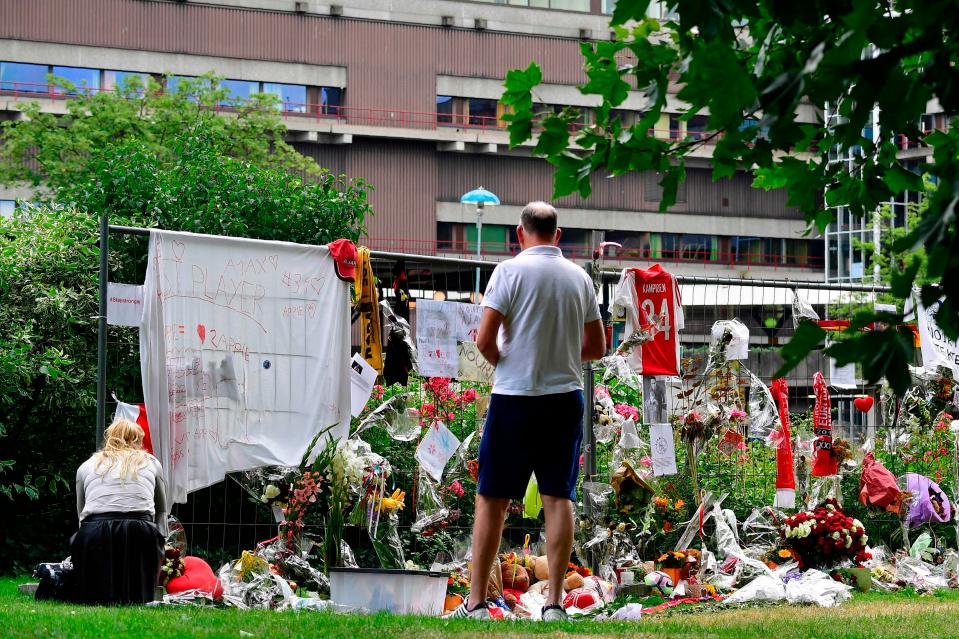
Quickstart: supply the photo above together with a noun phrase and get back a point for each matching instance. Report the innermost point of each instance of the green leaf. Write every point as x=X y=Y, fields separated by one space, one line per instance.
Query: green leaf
x=881 y=354
x=900 y=179
x=808 y=337
x=626 y=10
x=554 y=138
x=901 y=281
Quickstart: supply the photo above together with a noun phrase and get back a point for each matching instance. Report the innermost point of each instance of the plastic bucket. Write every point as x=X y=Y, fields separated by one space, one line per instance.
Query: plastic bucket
x=414 y=592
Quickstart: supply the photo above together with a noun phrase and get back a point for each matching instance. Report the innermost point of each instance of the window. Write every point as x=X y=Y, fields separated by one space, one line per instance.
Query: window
x=126 y=81
x=292 y=97
x=7 y=207
x=444 y=236
x=88 y=79
x=669 y=245
x=675 y=127
x=660 y=10
x=696 y=127
x=695 y=247
x=575 y=241
x=444 y=109
x=175 y=82
x=930 y=122
x=626 y=118
x=25 y=78
x=331 y=99
x=482 y=112
x=238 y=91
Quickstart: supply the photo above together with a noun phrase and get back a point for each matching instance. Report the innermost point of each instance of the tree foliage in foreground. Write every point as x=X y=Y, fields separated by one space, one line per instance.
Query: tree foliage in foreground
x=749 y=64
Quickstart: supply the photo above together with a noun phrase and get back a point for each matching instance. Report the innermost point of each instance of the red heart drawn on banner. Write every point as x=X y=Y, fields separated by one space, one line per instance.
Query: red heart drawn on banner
x=863 y=404
x=201 y=331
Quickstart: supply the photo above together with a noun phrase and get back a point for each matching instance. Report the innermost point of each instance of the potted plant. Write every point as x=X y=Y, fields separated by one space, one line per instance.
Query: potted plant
x=457 y=589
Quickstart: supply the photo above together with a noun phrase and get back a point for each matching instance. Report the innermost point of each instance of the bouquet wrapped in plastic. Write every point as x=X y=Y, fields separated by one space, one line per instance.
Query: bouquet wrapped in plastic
x=825 y=536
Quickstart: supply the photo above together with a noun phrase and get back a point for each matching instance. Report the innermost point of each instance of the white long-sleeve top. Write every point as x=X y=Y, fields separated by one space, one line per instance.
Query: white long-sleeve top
x=107 y=493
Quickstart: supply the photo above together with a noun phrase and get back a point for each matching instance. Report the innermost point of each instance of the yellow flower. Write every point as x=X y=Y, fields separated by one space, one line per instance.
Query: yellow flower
x=393 y=502
x=249 y=563
x=785 y=554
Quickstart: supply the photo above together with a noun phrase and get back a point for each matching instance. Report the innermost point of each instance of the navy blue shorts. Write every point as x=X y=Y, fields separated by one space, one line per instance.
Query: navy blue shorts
x=531 y=433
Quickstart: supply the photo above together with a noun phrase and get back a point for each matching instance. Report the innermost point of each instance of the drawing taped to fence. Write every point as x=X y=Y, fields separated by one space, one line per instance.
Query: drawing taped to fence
x=244 y=346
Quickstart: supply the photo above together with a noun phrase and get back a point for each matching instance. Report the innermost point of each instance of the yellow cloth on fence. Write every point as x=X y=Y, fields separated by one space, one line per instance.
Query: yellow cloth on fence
x=366 y=300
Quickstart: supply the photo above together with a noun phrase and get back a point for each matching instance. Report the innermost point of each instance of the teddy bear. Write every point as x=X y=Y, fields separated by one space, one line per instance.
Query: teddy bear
x=515 y=577
x=541 y=568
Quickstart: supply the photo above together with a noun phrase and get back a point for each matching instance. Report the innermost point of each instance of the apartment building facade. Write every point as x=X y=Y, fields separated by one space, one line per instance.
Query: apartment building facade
x=404 y=94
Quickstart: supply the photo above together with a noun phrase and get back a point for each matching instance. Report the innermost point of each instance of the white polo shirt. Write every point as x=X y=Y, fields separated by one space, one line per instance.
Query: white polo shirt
x=546 y=300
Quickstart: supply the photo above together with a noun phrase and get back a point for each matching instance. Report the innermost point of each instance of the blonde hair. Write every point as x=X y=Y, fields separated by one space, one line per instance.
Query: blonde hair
x=122 y=444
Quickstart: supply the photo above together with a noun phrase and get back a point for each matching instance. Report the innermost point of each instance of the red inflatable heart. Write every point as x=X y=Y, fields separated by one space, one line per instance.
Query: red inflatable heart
x=863 y=404
x=197 y=575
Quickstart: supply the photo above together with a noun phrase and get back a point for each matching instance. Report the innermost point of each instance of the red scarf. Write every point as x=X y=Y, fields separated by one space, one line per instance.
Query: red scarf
x=825 y=464
x=785 y=476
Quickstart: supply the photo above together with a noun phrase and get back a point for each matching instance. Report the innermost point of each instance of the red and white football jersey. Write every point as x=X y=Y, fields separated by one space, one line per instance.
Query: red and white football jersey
x=651 y=301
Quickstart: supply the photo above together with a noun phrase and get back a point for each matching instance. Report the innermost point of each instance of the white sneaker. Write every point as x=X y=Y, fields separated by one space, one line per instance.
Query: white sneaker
x=481 y=612
x=554 y=613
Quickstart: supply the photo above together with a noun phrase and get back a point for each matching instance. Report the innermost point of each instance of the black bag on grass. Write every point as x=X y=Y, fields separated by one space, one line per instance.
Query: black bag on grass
x=55 y=581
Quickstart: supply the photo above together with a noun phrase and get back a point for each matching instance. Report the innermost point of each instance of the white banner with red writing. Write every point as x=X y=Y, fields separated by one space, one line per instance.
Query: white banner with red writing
x=244 y=353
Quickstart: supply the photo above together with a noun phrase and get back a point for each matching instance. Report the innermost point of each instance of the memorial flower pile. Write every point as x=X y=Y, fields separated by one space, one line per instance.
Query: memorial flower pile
x=824 y=536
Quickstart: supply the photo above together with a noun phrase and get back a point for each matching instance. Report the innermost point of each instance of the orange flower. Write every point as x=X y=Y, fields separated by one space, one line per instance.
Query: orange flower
x=785 y=554
x=679 y=504
x=667 y=526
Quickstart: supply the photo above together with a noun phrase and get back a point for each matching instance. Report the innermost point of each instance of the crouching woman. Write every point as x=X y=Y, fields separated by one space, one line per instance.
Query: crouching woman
x=121 y=505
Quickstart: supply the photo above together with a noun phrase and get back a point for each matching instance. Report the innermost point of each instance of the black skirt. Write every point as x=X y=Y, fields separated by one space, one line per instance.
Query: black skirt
x=116 y=559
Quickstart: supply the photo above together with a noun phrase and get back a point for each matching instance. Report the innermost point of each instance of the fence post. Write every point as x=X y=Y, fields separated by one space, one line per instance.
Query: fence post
x=589 y=444
x=102 y=329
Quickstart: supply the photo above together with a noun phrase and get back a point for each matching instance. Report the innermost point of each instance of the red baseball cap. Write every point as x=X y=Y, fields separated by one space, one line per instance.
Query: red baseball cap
x=344 y=259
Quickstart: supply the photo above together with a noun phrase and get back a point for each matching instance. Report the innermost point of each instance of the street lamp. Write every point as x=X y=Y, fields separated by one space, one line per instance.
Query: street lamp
x=481 y=198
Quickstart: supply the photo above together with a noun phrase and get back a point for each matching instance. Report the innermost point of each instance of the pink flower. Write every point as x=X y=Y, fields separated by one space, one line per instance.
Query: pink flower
x=737 y=412
x=646 y=461
x=468 y=396
x=627 y=411
x=601 y=392
x=378 y=392
x=456 y=488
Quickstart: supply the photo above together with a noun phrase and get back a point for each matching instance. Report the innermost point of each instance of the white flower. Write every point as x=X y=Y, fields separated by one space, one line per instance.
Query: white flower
x=270 y=492
x=835 y=535
x=848 y=542
x=857 y=523
x=865 y=538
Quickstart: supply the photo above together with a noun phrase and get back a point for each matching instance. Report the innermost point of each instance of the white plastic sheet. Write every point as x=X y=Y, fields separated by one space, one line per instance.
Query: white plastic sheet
x=816 y=587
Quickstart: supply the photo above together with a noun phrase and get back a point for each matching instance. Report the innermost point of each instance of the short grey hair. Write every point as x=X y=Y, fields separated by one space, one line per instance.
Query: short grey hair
x=539 y=219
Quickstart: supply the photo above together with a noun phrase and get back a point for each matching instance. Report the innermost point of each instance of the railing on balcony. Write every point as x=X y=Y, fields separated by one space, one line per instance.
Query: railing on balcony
x=687 y=255
x=359 y=116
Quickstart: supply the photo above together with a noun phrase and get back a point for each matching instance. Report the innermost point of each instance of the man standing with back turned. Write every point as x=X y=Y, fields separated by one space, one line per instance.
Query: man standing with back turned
x=540 y=322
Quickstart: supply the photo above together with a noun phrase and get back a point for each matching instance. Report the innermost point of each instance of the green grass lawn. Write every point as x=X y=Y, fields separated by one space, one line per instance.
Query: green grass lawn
x=871 y=615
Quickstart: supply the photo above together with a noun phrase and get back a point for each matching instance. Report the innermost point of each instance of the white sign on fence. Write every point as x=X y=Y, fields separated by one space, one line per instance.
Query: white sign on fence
x=937 y=349
x=124 y=304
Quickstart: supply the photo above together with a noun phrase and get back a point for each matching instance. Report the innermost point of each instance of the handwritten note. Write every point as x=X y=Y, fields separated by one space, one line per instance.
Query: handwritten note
x=663 y=449
x=437 y=357
x=439 y=326
x=468 y=318
x=472 y=365
x=435 y=449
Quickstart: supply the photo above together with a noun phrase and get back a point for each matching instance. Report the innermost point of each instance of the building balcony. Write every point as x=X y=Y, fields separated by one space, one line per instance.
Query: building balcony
x=332 y=124
x=746 y=265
